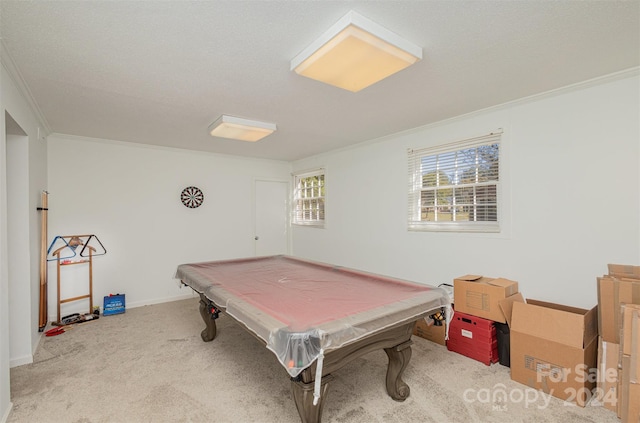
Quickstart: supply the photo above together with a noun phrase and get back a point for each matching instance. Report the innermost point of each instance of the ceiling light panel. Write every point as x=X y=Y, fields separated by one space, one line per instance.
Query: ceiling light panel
x=355 y=53
x=240 y=129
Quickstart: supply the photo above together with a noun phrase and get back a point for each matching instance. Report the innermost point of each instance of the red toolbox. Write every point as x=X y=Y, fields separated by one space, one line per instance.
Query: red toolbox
x=473 y=337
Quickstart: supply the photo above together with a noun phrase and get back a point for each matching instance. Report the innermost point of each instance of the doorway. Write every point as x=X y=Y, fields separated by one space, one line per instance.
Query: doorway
x=271 y=217
x=18 y=255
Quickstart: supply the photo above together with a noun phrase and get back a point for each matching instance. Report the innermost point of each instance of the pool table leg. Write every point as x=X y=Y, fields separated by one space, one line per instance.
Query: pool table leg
x=399 y=357
x=303 y=397
x=209 y=332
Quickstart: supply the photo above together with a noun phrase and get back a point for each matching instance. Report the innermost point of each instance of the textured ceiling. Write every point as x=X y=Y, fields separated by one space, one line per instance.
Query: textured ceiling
x=159 y=72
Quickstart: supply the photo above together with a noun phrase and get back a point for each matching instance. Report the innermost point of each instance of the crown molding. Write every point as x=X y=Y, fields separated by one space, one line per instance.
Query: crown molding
x=600 y=80
x=15 y=75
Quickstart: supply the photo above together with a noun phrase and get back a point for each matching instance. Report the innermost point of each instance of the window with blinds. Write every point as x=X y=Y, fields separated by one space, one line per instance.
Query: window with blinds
x=455 y=187
x=308 y=198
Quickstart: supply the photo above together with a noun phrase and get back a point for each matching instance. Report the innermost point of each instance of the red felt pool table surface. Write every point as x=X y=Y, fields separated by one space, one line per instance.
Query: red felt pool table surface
x=304 y=294
x=278 y=297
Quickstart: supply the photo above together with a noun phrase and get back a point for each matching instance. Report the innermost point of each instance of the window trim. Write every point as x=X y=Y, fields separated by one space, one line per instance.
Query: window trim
x=316 y=223
x=415 y=156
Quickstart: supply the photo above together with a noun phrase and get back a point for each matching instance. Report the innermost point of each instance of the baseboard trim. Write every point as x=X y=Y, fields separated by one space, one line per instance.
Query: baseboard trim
x=15 y=362
x=5 y=417
x=192 y=294
x=160 y=300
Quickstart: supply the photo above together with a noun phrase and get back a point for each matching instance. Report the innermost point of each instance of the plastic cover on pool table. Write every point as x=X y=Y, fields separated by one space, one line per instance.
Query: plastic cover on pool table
x=301 y=308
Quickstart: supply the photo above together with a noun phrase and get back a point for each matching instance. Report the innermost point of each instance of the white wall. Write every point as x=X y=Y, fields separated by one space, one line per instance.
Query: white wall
x=18 y=251
x=19 y=336
x=129 y=196
x=569 y=182
x=5 y=397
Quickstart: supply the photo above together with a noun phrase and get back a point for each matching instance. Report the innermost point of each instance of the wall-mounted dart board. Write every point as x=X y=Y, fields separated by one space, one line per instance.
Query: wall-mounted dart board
x=192 y=197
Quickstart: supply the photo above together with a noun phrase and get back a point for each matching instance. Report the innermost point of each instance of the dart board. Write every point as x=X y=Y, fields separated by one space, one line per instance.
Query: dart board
x=192 y=197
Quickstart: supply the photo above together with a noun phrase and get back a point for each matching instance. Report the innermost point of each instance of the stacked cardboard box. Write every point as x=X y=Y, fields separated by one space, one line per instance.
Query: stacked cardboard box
x=553 y=349
x=431 y=331
x=435 y=328
x=629 y=394
x=608 y=358
x=490 y=299
x=481 y=296
x=617 y=292
x=620 y=286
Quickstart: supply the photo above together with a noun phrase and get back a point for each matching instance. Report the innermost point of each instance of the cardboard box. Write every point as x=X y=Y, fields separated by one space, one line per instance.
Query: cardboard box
x=433 y=333
x=480 y=296
x=632 y=412
x=624 y=271
x=634 y=365
x=619 y=393
x=630 y=372
x=625 y=391
x=612 y=292
x=506 y=306
x=630 y=316
x=608 y=358
x=554 y=349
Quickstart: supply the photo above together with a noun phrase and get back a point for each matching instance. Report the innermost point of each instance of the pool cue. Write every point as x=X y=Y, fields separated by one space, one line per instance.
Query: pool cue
x=43 y=263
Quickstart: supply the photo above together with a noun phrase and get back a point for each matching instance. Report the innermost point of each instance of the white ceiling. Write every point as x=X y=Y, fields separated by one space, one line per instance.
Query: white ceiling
x=159 y=72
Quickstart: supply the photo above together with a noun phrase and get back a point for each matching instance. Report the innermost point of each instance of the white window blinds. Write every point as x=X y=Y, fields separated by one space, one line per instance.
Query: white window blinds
x=455 y=187
x=309 y=198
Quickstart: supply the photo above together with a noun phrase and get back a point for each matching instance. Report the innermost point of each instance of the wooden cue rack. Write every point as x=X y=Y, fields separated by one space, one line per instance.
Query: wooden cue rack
x=60 y=263
x=42 y=318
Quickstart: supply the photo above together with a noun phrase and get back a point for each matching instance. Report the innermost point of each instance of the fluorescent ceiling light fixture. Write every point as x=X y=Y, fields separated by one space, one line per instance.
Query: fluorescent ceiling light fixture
x=355 y=53
x=240 y=129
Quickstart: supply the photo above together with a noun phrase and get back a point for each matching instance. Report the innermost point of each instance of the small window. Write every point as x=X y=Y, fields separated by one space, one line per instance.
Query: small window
x=308 y=198
x=456 y=187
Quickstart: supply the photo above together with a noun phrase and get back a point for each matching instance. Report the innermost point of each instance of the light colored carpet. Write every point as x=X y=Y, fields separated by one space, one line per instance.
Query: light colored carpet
x=150 y=365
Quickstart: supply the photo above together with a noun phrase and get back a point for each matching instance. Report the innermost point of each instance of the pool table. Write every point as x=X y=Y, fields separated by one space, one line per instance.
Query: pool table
x=315 y=317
